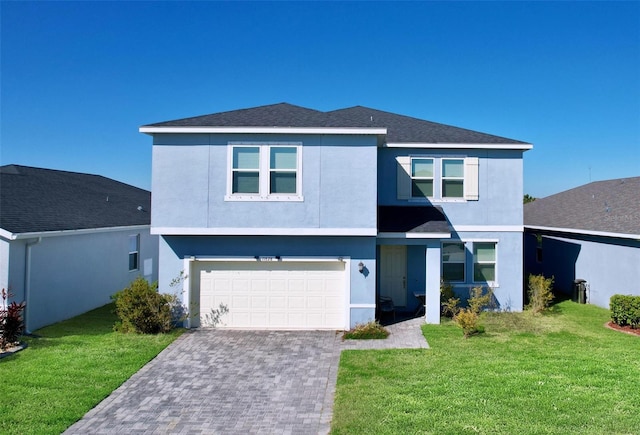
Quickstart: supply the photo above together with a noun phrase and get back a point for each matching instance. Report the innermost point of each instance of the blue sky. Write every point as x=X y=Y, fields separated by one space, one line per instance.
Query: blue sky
x=79 y=78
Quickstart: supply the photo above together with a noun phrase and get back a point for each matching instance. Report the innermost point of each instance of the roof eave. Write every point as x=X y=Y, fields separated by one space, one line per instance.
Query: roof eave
x=8 y=235
x=584 y=232
x=436 y=145
x=149 y=129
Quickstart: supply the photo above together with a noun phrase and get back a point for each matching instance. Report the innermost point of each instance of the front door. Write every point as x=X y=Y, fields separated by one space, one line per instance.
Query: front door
x=393 y=273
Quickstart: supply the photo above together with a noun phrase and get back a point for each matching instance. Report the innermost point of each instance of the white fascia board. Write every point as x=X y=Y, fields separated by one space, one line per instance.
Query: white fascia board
x=267 y=130
x=414 y=235
x=180 y=231
x=585 y=232
x=31 y=235
x=492 y=228
x=261 y=259
x=473 y=146
x=8 y=235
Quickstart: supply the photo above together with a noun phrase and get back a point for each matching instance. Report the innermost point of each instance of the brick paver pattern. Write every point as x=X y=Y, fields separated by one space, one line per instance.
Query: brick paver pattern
x=216 y=381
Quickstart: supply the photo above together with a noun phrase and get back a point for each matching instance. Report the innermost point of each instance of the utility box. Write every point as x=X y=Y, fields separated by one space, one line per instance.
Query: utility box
x=580 y=291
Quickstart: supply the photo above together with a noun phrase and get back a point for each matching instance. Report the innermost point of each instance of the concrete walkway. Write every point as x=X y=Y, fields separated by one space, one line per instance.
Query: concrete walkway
x=212 y=381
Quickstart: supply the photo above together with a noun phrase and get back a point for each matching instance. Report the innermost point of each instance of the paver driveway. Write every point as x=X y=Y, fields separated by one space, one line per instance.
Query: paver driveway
x=226 y=381
x=223 y=381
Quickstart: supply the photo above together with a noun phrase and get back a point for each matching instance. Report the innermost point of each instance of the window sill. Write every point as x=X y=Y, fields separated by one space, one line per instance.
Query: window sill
x=270 y=198
x=438 y=200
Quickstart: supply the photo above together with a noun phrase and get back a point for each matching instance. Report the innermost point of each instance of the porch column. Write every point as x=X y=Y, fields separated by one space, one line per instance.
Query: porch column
x=432 y=258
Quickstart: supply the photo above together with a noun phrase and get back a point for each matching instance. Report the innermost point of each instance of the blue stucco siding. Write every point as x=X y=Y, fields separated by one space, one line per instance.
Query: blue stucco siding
x=500 y=185
x=190 y=174
x=508 y=292
x=174 y=249
x=609 y=265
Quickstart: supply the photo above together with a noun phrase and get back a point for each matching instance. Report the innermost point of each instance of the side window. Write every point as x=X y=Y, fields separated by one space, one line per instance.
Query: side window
x=453 y=261
x=452 y=178
x=134 y=252
x=484 y=262
x=421 y=178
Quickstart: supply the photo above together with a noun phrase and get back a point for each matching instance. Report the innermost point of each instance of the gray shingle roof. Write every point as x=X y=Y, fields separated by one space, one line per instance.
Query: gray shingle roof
x=412 y=219
x=400 y=128
x=611 y=206
x=40 y=200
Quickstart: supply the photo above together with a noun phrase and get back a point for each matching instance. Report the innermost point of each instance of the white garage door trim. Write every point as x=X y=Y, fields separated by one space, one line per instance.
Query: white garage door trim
x=195 y=264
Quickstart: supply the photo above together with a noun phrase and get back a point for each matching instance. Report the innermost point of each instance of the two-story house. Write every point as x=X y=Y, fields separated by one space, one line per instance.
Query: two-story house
x=297 y=218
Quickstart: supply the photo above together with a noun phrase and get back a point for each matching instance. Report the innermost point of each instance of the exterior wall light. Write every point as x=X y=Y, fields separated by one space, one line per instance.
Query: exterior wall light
x=360 y=267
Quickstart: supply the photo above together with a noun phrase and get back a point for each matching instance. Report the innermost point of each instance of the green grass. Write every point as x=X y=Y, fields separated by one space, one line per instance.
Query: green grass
x=559 y=373
x=68 y=370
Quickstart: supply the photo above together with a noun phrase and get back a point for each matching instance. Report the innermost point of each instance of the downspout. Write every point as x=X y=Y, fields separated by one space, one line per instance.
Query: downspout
x=27 y=281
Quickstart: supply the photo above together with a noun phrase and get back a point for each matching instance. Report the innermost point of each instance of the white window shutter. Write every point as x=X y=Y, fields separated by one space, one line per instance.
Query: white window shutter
x=471 y=182
x=404 y=177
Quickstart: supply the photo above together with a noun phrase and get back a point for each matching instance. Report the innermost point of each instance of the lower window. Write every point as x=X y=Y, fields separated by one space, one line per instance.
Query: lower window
x=484 y=261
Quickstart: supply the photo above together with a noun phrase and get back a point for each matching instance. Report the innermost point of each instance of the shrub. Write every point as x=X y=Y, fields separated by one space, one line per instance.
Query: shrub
x=625 y=310
x=448 y=301
x=140 y=308
x=365 y=331
x=469 y=321
x=540 y=295
x=11 y=321
x=469 y=318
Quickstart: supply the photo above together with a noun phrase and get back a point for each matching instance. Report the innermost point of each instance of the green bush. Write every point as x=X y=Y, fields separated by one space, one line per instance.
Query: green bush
x=448 y=301
x=540 y=295
x=365 y=331
x=140 y=308
x=468 y=319
x=625 y=310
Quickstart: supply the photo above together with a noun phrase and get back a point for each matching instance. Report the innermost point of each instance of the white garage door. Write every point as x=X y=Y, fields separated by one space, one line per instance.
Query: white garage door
x=275 y=295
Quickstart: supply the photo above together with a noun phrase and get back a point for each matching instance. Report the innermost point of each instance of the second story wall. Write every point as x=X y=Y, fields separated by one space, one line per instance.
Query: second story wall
x=486 y=186
x=327 y=182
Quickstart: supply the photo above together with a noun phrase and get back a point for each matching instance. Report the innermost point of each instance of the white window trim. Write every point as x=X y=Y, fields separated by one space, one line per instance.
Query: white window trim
x=464 y=262
x=469 y=243
x=443 y=179
x=264 y=170
x=404 y=185
x=136 y=251
x=494 y=283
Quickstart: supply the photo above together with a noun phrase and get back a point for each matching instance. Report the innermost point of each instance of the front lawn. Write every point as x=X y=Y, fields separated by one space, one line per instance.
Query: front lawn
x=68 y=370
x=560 y=373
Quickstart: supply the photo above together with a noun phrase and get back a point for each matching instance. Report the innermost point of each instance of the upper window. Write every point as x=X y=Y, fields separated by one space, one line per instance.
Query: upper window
x=437 y=178
x=453 y=261
x=484 y=262
x=134 y=252
x=265 y=172
x=452 y=178
x=421 y=178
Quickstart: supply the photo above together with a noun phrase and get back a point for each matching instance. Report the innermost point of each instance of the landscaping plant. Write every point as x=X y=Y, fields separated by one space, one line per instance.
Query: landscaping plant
x=540 y=295
x=366 y=331
x=625 y=310
x=448 y=301
x=140 y=308
x=11 y=321
x=468 y=319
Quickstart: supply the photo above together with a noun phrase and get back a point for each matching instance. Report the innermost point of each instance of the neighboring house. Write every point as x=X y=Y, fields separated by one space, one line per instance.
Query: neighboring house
x=297 y=218
x=68 y=241
x=590 y=233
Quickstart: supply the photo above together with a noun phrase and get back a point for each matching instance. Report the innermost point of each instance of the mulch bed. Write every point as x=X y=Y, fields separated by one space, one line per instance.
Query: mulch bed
x=13 y=349
x=625 y=329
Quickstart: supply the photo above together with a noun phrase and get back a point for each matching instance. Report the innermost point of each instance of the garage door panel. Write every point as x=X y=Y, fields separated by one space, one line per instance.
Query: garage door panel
x=296 y=295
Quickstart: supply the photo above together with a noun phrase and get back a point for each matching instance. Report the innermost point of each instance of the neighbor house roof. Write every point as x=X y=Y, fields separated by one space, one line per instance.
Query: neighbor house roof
x=399 y=128
x=34 y=200
x=603 y=207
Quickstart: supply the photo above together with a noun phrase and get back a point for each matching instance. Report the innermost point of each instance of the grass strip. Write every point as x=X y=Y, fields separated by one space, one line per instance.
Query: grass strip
x=68 y=370
x=558 y=373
